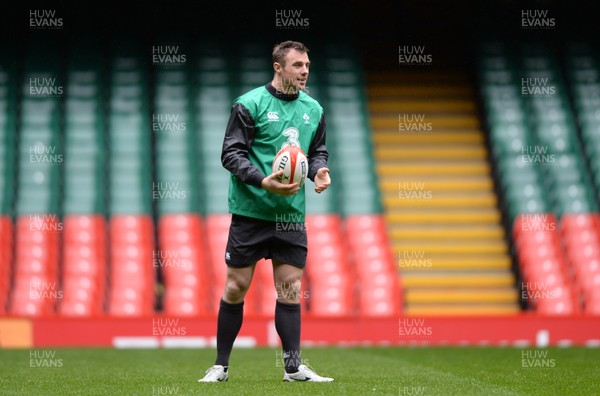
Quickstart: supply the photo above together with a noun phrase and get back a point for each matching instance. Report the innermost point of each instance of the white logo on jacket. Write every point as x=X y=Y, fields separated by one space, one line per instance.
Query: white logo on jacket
x=273 y=116
x=292 y=135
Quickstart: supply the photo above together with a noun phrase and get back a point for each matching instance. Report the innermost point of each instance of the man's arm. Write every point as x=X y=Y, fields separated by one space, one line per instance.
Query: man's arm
x=238 y=140
x=317 y=152
x=234 y=156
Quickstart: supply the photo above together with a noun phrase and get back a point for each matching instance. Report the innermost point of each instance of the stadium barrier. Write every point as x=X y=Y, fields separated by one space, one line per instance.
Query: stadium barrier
x=198 y=332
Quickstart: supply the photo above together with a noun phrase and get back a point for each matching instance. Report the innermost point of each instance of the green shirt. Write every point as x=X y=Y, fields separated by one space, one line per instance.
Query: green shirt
x=262 y=122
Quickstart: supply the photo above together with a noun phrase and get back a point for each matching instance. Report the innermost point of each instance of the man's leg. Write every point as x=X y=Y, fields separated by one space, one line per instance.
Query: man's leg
x=287 y=280
x=231 y=311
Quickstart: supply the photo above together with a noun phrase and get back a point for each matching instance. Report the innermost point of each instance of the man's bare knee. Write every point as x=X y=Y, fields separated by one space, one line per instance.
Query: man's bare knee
x=237 y=284
x=287 y=282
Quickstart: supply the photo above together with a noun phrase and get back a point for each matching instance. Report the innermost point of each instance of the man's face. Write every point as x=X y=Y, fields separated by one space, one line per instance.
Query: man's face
x=294 y=72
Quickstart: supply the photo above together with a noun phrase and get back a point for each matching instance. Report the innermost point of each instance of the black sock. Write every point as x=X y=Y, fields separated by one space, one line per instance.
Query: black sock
x=287 y=324
x=228 y=327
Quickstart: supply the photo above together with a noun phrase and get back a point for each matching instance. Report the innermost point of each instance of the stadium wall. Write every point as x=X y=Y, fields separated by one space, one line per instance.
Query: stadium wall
x=171 y=332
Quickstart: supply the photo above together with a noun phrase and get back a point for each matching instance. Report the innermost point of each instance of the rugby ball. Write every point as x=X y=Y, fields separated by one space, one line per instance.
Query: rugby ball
x=293 y=162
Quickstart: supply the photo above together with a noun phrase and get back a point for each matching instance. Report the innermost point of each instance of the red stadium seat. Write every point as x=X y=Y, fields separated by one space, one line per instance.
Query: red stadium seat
x=378 y=286
x=184 y=301
x=328 y=275
x=36 y=287
x=359 y=223
x=322 y=222
x=34 y=295
x=589 y=282
x=540 y=269
x=263 y=282
x=592 y=302
x=132 y=273
x=6 y=258
x=182 y=259
x=525 y=225
x=581 y=238
x=556 y=306
x=579 y=221
x=217 y=226
x=331 y=297
x=84 y=265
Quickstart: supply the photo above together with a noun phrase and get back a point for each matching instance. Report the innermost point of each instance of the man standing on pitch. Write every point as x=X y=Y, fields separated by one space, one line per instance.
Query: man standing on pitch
x=262 y=122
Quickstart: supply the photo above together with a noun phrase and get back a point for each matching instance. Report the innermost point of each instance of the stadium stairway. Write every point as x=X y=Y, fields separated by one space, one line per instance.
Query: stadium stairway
x=437 y=190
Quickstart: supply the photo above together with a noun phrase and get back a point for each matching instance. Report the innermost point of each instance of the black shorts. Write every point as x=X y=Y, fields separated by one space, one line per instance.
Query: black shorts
x=252 y=239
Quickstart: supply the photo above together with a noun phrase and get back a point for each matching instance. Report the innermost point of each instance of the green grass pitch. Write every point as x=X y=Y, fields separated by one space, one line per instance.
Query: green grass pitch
x=357 y=371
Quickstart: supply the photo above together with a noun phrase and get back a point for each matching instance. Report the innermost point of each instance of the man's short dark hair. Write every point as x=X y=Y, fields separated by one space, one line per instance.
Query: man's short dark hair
x=280 y=50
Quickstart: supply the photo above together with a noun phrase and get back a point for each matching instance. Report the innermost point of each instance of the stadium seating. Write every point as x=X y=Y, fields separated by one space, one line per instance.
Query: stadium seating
x=36 y=289
x=132 y=276
x=217 y=230
x=212 y=99
x=547 y=188
x=181 y=257
x=6 y=234
x=8 y=118
x=7 y=173
x=349 y=138
x=84 y=259
x=39 y=157
x=114 y=164
x=84 y=267
x=330 y=279
x=546 y=278
x=378 y=289
x=580 y=234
